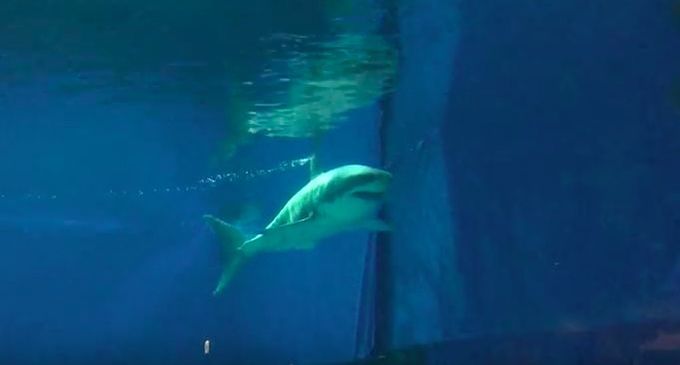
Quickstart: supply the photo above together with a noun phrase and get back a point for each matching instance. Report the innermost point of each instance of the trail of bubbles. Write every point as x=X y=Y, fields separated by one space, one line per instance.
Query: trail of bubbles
x=203 y=184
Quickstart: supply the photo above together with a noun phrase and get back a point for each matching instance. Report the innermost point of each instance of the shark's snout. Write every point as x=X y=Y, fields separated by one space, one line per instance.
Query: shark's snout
x=375 y=185
x=358 y=181
x=384 y=177
x=381 y=179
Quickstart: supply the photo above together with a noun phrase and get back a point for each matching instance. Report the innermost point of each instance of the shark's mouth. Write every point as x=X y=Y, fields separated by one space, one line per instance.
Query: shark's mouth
x=369 y=195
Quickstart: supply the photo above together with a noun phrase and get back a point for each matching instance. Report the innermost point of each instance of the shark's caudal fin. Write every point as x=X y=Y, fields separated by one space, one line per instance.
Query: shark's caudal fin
x=230 y=240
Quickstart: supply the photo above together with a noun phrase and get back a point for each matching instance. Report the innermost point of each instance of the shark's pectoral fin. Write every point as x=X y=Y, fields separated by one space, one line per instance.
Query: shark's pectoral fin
x=376 y=224
x=294 y=235
x=290 y=225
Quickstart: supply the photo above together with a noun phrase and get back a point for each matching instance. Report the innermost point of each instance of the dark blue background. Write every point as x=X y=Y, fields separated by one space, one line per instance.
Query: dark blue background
x=535 y=149
x=564 y=147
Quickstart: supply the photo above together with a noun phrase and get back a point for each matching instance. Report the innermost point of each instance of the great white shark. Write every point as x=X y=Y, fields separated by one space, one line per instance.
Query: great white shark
x=346 y=198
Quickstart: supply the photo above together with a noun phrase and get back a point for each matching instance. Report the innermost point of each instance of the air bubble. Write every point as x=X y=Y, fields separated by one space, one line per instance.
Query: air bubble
x=201 y=185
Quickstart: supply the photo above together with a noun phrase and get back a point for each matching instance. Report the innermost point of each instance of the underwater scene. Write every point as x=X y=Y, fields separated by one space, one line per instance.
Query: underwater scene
x=339 y=182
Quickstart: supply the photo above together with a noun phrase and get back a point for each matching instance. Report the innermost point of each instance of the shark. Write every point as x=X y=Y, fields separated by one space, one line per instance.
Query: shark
x=346 y=198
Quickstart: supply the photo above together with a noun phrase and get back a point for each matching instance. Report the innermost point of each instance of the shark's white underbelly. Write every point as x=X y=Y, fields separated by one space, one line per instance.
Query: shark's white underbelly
x=348 y=211
x=294 y=237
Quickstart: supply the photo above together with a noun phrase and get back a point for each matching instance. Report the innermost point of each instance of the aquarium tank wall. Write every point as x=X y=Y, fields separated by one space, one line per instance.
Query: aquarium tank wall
x=339 y=182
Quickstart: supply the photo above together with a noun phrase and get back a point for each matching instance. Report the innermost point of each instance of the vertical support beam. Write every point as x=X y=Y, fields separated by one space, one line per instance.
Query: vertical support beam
x=419 y=287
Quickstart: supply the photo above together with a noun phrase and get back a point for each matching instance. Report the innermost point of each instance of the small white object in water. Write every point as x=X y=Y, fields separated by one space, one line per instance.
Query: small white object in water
x=206 y=347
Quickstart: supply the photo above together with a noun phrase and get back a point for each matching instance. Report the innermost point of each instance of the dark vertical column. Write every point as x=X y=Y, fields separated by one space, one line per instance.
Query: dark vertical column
x=390 y=29
x=420 y=286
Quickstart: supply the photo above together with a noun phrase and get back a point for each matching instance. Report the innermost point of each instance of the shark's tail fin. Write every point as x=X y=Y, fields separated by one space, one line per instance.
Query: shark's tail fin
x=232 y=258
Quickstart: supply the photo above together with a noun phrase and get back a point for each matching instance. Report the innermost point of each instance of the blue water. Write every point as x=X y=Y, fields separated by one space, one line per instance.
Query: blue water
x=535 y=202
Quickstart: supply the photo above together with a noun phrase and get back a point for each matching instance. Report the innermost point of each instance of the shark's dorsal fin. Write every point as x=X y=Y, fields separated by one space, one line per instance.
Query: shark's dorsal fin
x=314 y=165
x=314 y=168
